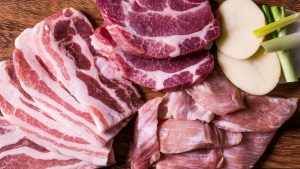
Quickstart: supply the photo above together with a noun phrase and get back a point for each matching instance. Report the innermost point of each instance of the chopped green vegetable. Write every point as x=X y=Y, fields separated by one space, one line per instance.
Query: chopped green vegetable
x=283 y=43
x=284 y=21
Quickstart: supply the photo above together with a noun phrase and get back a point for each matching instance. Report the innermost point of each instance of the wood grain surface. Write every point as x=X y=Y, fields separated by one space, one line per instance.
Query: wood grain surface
x=17 y=15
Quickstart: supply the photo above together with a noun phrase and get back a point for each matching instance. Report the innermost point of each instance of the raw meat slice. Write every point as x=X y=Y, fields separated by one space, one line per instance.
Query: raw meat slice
x=144 y=150
x=160 y=29
x=246 y=154
x=263 y=114
x=204 y=159
x=178 y=136
x=64 y=41
x=158 y=74
x=218 y=95
x=179 y=105
x=19 y=108
x=17 y=151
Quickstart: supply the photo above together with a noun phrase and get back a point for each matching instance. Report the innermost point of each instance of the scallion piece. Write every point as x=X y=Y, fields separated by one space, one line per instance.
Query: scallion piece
x=283 y=43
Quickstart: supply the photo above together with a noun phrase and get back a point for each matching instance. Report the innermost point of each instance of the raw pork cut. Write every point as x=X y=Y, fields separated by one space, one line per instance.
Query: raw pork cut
x=263 y=114
x=155 y=73
x=217 y=95
x=63 y=43
x=144 y=150
x=246 y=154
x=204 y=159
x=19 y=108
x=160 y=28
x=17 y=151
x=178 y=136
x=179 y=105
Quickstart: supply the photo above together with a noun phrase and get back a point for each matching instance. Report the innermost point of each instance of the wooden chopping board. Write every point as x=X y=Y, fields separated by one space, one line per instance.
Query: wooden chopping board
x=17 y=15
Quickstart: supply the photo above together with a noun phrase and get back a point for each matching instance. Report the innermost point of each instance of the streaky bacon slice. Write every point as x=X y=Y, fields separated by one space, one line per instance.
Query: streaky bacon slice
x=178 y=136
x=20 y=109
x=174 y=73
x=246 y=154
x=144 y=150
x=263 y=114
x=17 y=151
x=179 y=105
x=206 y=159
x=217 y=95
x=64 y=40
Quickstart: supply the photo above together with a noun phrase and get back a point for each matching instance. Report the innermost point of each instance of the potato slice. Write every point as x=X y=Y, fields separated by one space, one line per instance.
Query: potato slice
x=257 y=75
x=239 y=19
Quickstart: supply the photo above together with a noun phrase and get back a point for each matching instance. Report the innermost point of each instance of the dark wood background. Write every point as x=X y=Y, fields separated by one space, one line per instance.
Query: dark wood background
x=17 y=15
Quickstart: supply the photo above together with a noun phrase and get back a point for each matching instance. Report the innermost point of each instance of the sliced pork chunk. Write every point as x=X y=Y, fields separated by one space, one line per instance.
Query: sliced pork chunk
x=144 y=150
x=20 y=109
x=177 y=136
x=179 y=105
x=17 y=151
x=158 y=74
x=63 y=43
x=246 y=154
x=160 y=29
x=203 y=159
x=218 y=95
x=263 y=114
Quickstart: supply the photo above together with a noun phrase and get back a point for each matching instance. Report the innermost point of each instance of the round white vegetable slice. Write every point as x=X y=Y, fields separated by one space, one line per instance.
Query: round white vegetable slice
x=257 y=75
x=239 y=19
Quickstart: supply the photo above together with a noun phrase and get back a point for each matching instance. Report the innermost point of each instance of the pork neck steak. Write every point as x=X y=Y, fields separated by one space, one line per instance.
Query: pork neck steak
x=160 y=28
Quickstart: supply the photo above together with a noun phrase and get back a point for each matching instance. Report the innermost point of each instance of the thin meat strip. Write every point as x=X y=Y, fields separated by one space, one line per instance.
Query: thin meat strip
x=160 y=29
x=63 y=43
x=17 y=151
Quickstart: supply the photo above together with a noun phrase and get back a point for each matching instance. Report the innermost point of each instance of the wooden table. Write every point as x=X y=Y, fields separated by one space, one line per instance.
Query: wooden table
x=17 y=15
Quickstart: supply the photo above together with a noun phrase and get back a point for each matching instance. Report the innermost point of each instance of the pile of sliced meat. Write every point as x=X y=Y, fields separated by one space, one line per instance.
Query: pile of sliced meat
x=62 y=101
x=161 y=44
x=211 y=125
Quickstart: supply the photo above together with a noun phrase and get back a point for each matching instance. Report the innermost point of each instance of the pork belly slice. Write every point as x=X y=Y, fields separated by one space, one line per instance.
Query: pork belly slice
x=20 y=109
x=246 y=154
x=160 y=29
x=144 y=150
x=17 y=151
x=202 y=159
x=179 y=105
x=178 y=136
x=263 y=114
x=157 y=74
x=217 y=95
x=63 y=43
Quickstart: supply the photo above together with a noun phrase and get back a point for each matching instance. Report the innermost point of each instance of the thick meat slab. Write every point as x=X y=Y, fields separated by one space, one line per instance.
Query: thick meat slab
x=246 y=154
x=64 y=45
x=178 y=136
x=17 y=151
x=160 y=29
x=263 y=114
x=158 y=74
x=144 y=150
x=203 y=159
x=217 y=95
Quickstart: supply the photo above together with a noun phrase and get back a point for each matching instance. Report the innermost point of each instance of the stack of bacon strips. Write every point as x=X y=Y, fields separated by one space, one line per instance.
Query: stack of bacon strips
x=62 y=102
x=211 y=125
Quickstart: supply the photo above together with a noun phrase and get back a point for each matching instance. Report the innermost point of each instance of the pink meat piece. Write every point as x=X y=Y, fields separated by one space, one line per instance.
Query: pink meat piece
x=160 y=29
x=20 y=109
x=144 y=150
x=63 y=43
x=173 y=73
x=178 y=136
x=17 y=151
x=218 y=95
x=246 y=154
x=263 y=114
x=179 y=105
x=202 y=159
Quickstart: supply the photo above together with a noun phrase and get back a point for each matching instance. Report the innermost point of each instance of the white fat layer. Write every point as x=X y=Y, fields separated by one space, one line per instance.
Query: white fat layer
x=231 y=126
